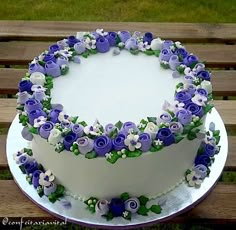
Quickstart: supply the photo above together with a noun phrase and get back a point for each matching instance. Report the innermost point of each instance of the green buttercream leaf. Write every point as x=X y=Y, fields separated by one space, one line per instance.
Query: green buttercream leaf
x=64 y=70
x=142 y=210
x=180 y=69
x=28 y=151
x=135 y=153
x=165 y=66
x=216 y=133
x=40 y=190
x=207 y=108
x=20 y=107
x=66 y=132
x=22 y=168
x=217 y=139
x=193 y=134
x=178 y=138
x=124 y=196
x=200 y=150
x=33 y=130
x=134 y=52
x=85 y=54
x=157 y=52
x=52 y=198
x=60 y=148
x=210 y=97
x=47 y=103
x=113 y=133
x=60 y=190
x=42 y=63
x=143 y=200
x=152 y=119
x=149 y=52
x=91 y=155
x=187 y=129
x=193 y=64
x=153 y=149
x=119 y=124
x=118 y=40
x=179 y=85
x=157 y=147
x=108 y=216
x=93 y=51
x=83 y=123
x=156 y=209
x=74 y=119
x=113 y=158
x=127 y=217
x=187 y=172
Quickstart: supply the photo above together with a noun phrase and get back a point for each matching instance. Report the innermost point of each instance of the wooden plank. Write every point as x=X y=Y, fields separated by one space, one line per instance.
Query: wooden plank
x=21 y=53
x=15 y=204
x=224 y=81
x=3 y=158
x=53 y=30
x=225 y=108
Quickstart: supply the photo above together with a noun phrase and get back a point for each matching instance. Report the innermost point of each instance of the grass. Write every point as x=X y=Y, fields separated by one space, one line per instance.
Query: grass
x=121 y=10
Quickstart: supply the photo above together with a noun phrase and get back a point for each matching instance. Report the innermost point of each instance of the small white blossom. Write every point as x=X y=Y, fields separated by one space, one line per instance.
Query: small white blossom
x=90 y=43
x=108 y=155
x=39 y=121
x=199 y=99
x=101 y=32
x=132 y=141
x=193 y=179
x=125 y=213
x=158 y=142
x=143 y=46
x=46 y=178
x=94 y=129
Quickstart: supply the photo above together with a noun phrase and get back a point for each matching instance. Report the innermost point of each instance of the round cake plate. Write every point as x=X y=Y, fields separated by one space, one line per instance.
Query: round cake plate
x=175 y=202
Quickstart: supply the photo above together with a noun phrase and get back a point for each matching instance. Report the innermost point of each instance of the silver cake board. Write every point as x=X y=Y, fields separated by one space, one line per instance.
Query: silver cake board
x=174 y=203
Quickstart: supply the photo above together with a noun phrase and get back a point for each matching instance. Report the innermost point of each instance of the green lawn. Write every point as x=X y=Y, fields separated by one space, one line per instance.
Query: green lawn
x=120 y=10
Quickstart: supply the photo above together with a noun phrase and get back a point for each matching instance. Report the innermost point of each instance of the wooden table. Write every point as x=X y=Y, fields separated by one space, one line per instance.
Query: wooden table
x=21 y=41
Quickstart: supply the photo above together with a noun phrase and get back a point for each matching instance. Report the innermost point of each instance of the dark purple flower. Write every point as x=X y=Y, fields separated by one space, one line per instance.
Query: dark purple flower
x=53 y=48
x=131 y=44
x=45 y=129
x=85 y=144
x=209 y=150
x=102 y=145
x=124 y=36
x=203 y=159
x=69 y=139
x=182 y=53
x=174 y=62
x=32 y=104
x=35 y=114
x=62 y=60
x=183 y=96
x=204 y=75
x=78 y=130
x=111 y=37
x=102 y=44
x=165 y=55
x=54 y=115
x=35 y=179
x=165 y=135
x=24 y=159
x=202 y=92
x=26 y=134
x=190 y=60
x=25 y=85
x=47 y=190
x=164 y=118
x=146 y=141
x=36 y=67
x=166 y=44
x=148 y=37
x=118 y=142
x=71 y=40
x=52 y=69
x=128 y=127
x=30 y=167
x=117 y=206
x=49 y=57
x=79 y=47
x=195 y=109
x=184 y=116
x=176 y=127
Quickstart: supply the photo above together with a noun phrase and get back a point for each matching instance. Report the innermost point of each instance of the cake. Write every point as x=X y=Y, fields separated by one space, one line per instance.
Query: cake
x=114 y=120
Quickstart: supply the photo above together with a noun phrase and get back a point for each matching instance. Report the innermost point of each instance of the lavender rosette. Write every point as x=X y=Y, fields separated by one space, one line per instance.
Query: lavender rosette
x=69 y=140
x=39 y=95
x=174 y=62
x=26 y=134
x=165 y=55
x=183 y=97
x=165 y=135
x=49 y=57
x=164 y=118
x=47 y=190
x=32 y=104
x=44 y=130
x=109 y=128
x=124 y=36
x=85 y=144
x=167 y=44
x=102 y=44
x=36 y=67
x=202 y=92
x=31 y=166
x=191 y=89
x=62 y=60
x=52 y=69
x=53 y=48
x=79 y=47
x=118 y=142
x=78 y=130
x=111 y=37
x=54 y=113
x=24 y=159
x=35 y=178
x=128 y=127
x=35 y=114
x=131 y=44
x=22 y=97
x=201 y=170
x=188 y=79
x=146 y=141
x=25 y=85
x=195 y=109
x=190 y=60
x=176 y=127
x=102 y=145
x=72 y=40
x=148 y=37
x=184 y=116
x=204 y=75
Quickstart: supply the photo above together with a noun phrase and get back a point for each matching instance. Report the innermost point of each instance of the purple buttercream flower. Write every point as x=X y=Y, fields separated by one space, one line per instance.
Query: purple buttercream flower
x=188 y=79
x=53 y=48
x=166 y=44
x=35 y=179
x=25 y=85
x=182 y=53
x=109 y=128
x=118 y=142
x=80 y=47
x=209 y=150
x=111 y=37
x=204 y=75
x=128 y=127
x=76 y=59
x=199 y=67
x=62 y=43
x=85 y=144
x=96 y=35
x=32 y=104
x=102 y=145
x=69 y=140
x=146 y=141
x=174 y=62
x=102 y=207
x=35 y=114
x=30 y=167
x=184 y=116
x=78 y=130
x=24 y=159
x=176 y=127
x=165 y=135
x=26 y=134
x=72 y=40
x=49 y=57
x=22 y=97
x=165 y=118
x=183 y=97
x=54 y=113
x=202 y=92
x=132 y=204
x=165 y=55
x=36 y=67
x=191 y=88
x=40 y=95
x=148 y=37
x=45 y=129
x=195 y=109
x=117 y=206
x=124 y=36
x=52 y=69
x=201 y=170
x=62 y=60
x=47 y=190
x=131 y=44
x=203 y=159
x=190 y=60
x=102 y=45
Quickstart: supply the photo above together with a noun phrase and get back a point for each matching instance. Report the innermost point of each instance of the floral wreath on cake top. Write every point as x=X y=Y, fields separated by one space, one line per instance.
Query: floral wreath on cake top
x=113 y=141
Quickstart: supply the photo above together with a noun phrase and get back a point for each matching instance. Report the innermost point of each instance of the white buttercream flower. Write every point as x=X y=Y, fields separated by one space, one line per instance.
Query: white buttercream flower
x=108 y=155
x=17 y=155
x=39 y=121
x=125 y=213
x=38 y=88
x=151 y=129
x=207 y=86
x=143 y=46
x=62 y=117
x=46 y=178
x=158 y=142
x=94 y=129
x=156 y=44
x=193 y=179
x=37 y=78
x=132 y=142
x=199 y=99
x=54 y=136
x=179 y=45
x=101 y=32
x=90 y=43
